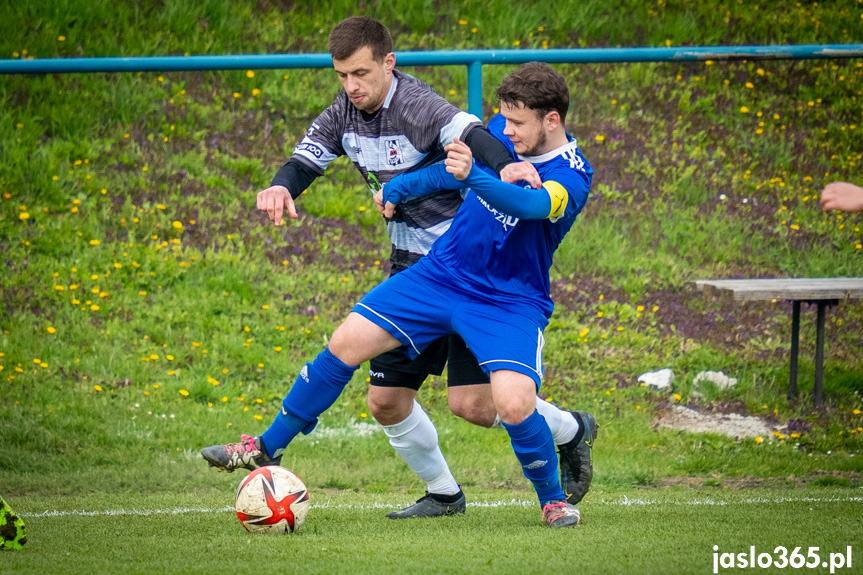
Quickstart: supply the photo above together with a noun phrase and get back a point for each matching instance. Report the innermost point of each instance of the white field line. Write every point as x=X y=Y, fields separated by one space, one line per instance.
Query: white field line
x=626 y=501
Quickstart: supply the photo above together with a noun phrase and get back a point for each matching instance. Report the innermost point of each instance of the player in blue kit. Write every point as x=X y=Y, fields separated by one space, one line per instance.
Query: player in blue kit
x=486 y=279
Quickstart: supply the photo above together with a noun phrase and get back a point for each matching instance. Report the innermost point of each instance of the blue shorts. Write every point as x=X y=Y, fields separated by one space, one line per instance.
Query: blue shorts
x=417 y=309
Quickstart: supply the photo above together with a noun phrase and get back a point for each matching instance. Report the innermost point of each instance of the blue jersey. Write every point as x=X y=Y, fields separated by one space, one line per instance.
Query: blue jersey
x=503 y=257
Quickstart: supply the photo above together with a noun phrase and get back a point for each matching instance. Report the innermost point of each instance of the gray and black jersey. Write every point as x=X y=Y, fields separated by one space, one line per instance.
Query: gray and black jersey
x=407 y=133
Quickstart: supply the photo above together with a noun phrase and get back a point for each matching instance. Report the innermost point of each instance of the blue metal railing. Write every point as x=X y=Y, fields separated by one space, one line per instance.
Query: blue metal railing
x=473 y=59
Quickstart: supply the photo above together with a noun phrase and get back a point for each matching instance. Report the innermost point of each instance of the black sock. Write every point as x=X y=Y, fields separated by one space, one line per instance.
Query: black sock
x=446 y=498
x=581 y=424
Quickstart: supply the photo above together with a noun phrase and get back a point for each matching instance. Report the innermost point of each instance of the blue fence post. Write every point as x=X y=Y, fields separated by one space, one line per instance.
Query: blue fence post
x=474 y=88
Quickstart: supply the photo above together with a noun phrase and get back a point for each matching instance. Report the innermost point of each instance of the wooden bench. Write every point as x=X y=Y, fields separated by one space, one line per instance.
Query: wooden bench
x=822 y=292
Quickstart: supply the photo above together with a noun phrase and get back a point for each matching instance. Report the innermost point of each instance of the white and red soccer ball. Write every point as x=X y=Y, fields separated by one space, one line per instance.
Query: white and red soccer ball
x=272 y=500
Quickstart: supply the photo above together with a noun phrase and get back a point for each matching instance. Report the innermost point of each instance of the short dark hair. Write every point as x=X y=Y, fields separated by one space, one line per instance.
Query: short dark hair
x=353 y=33
x=537 y=86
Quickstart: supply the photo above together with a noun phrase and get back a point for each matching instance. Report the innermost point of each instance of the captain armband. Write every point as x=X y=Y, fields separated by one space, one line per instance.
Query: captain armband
x=558 y=196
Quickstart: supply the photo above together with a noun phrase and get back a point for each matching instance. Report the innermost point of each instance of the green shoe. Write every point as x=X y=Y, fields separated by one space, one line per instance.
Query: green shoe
x=12 y=535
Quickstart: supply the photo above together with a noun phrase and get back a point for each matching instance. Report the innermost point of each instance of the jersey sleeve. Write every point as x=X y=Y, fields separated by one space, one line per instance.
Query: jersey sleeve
x=323 y=140
x=428 y=120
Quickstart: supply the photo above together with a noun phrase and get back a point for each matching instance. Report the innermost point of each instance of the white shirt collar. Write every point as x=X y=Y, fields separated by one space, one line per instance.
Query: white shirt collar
x=570 y=145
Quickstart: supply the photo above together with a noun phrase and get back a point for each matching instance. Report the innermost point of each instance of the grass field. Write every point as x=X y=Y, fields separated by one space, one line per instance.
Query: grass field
x=147 y=310
x=640 y=532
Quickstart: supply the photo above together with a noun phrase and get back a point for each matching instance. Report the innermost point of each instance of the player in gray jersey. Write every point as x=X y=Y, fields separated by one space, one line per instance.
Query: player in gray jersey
x=388 y=122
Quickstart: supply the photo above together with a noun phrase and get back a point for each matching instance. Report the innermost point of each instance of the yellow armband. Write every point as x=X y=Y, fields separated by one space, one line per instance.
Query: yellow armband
x=558 y=196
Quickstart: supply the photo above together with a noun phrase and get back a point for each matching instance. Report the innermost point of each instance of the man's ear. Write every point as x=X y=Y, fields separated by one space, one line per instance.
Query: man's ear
x=552 y=120
x=390 y=62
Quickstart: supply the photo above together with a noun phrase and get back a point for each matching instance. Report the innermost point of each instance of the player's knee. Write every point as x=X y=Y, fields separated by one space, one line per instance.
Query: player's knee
x=476 y=412
x=387 y=410
x=514 y=409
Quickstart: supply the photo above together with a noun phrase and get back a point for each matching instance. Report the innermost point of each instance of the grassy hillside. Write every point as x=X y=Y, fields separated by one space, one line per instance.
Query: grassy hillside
x=147 y=309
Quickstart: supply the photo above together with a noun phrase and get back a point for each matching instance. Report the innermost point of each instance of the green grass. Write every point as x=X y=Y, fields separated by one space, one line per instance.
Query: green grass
x=346 y=532
x=147 y=310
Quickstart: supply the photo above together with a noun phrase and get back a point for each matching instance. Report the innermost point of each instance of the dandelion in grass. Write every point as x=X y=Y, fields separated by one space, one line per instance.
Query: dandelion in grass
x=51 y=329
x=744 y=110
x=184 y=393
x=97 y=387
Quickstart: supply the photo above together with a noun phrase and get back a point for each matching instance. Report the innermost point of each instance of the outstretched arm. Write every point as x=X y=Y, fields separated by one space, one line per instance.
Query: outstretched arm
x=547 y=202
x=842 y=196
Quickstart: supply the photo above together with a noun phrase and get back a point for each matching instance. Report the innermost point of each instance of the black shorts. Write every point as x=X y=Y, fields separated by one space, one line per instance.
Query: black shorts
x=395 y=369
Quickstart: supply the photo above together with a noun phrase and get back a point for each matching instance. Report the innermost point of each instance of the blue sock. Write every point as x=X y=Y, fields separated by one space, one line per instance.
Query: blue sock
x=318 y=386
x=534 y=447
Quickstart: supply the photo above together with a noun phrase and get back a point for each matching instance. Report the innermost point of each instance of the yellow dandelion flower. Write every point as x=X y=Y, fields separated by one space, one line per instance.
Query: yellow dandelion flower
x=255 y=92
x=94 y=307
x=23 y=216
x=184 y=393
x=744 y=110
x=265 y=306
x=250 y=74
x=51 y=329
x=600 y=138
x=677 y=396
x=97 y=387
x=61 y=38
x=258 y=417
x=759 y=440
x=95 y=242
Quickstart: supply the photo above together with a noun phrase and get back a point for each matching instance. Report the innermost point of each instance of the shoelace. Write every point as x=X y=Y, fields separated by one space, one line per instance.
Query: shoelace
x=246 y=445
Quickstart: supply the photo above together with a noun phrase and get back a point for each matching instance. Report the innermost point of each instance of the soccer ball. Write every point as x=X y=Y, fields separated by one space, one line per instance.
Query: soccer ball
x=271 y=500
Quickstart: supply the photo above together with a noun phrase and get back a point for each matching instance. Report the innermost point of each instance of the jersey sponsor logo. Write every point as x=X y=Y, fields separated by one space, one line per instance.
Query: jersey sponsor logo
x=394 y=153
x=508 y=222
x=536 y=464
x=376 y=374
x=373 y=183
x=311 y=130
x=314 y=150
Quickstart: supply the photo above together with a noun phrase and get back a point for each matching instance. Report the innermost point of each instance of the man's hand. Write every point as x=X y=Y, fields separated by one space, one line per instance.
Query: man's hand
x=842 y=196
x=274 y=200
x=459 y=159
x=387 y=210
x=511 y=173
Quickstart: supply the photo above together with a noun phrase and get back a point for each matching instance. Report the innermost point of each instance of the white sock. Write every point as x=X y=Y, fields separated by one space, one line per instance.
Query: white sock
x=562 y=424
x=415 y=440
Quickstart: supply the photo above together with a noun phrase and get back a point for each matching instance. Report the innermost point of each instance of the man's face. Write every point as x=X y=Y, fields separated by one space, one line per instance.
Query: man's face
x=525 y=129
x=365 y=80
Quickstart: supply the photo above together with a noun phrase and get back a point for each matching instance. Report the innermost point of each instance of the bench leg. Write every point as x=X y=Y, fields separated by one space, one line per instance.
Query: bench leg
x=819 y=354
x=795 y=342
